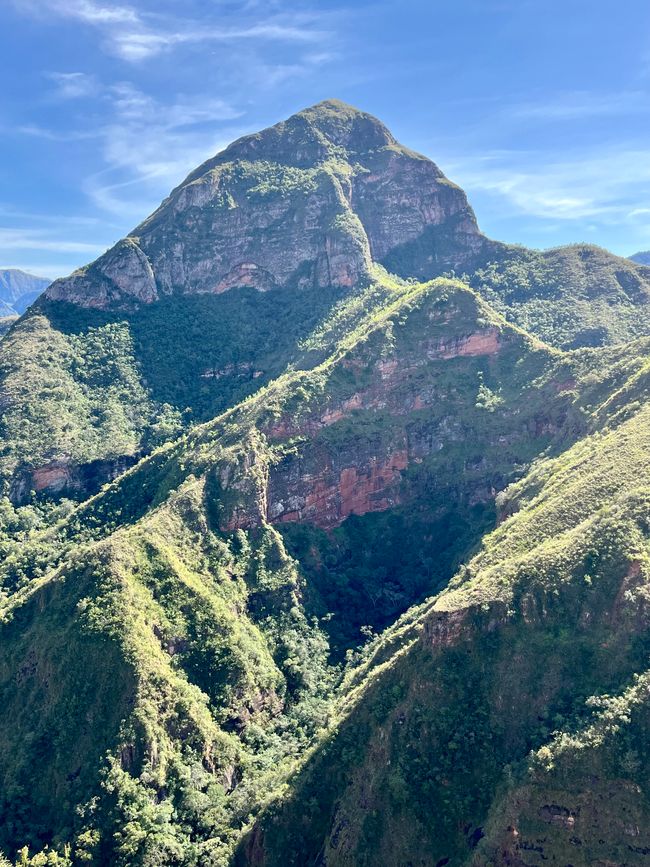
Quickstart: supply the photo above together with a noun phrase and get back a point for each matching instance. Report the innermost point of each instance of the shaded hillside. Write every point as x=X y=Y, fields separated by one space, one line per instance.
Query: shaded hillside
x=506 y=721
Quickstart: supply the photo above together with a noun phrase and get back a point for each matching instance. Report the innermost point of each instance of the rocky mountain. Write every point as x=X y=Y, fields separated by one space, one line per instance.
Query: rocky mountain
x=642 y=258
x=357 y=567
x=18 y=289
x=309 y=203
x=256 y=249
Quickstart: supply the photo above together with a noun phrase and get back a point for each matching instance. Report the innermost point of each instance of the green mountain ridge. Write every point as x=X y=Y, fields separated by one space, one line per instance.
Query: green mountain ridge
x=374 y=589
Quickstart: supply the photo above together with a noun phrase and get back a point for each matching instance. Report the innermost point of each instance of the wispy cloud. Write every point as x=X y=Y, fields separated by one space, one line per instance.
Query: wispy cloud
x=148 y=146
x=83 y=10
x=144 y=132
x=611 y=185
x=136 y=35
x=73 y=85
x=22 y=239
x=133 y=105
x=65 y=135
x=51 y=245
x=36 y=219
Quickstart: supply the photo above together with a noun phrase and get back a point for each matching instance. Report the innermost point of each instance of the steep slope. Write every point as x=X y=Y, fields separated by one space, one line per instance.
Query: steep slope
x=261 y=252
x=505 y=722
x=195 y=646
x=305 y=203
x=300 y=209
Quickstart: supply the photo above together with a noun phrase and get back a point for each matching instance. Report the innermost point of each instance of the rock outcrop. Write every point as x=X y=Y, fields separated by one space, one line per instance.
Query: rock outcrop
x=311 y=201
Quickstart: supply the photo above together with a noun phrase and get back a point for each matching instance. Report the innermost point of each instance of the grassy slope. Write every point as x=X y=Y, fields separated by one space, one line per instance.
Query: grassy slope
x=83 y=385
x=185 y=359
x=187 y=657
x=69 y=396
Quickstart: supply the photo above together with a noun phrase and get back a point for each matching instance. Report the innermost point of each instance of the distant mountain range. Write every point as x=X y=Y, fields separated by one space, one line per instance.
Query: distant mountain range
x=18 y=290
x=643 y=257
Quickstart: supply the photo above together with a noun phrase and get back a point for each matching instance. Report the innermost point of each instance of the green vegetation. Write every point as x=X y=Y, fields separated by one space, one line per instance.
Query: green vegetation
x=572 y=296
x=347 y=574
x=83 y=386
x=539 y=644
x=179 y=682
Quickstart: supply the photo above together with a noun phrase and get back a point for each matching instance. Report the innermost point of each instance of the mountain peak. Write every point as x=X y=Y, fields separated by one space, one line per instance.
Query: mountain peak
x=345 y=125
x=307 y=203
x=308 y=137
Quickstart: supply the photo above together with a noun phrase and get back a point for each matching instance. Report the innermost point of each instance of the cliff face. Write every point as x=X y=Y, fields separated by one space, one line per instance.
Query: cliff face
x=308 y=202
x=398 y=407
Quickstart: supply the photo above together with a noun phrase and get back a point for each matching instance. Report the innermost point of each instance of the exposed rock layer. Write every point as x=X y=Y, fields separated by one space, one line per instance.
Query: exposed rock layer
x=308 y=202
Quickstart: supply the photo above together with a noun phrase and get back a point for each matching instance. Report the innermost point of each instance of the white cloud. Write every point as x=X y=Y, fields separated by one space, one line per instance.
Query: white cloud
x=83 y=10
x=578 y=105
x=639 y=212
x=612 y=185
x=134 y=106
x=43 y=132
x=146 y=145
x=134 y=36
x=44 y=221
x=149 y=146
x=73 y=85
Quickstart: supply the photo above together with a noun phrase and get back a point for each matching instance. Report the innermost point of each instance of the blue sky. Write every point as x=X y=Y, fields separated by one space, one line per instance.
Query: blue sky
x=540 y=109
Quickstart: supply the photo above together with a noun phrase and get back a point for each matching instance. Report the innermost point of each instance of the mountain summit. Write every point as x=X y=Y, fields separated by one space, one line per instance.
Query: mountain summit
x=311 y=201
